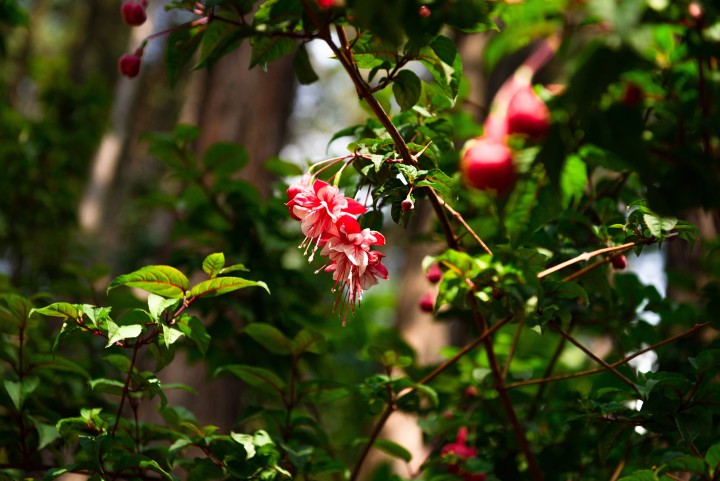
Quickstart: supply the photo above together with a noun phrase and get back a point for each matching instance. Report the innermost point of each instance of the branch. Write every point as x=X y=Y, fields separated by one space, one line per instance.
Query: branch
x=592 y=356
x=585 y=256
x=126 y=387
x=615 y=364
x=345 y=57
x=462 y=222
x=533 y=467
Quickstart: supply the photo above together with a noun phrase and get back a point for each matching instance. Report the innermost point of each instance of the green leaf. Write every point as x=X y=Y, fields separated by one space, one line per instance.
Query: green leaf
x=393 y=449
x=659 y=226
x=444 y=185
x=306 y=341
x=195 y=330
x=267 y=49
x=119 y=333
x=234 y=268
x=213 y=264
x=164 y=281
x=303 y=68
x=407 y=88
x=58 y=309
x=282 y=168
x=46 y=433
x=134 y=461
x=223 y=285
x=270 y=338
x=573 y=180
x=181 y=46
x=445 y=49
x=46 y=361
x=687 y=463
x=713 y=456
x=572 y=290
x=219 y=39
x=171 y=335
x=19 y=391
x=225 y=158
x=107 y=386
x=318 y=392
x=246 y=441
x=642 y=475
x=157 y=305
x=15 y=313
x=255 y=376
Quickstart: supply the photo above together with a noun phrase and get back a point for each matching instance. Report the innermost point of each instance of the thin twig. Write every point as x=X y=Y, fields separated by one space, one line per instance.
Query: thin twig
x=585 y=256
x=615 y=364
x=126 y=387
x=533 y=466
x=548 y=370
x=594 y=357
x=379 y=424
x=511 y=352
x=469 y=229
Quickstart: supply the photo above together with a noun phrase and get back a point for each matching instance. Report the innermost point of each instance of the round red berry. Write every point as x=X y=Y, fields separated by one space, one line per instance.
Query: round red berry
x=527 y=114
x=129 y=65
x=133 y=13
x=633 y=95
x=424 y=11
x=434 y=273
x=487 y=164
x=427 y=301
x=325 y=3
x=619 y=262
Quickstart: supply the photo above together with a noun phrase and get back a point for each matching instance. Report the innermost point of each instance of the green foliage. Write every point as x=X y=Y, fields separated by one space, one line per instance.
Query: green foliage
x=539 y=382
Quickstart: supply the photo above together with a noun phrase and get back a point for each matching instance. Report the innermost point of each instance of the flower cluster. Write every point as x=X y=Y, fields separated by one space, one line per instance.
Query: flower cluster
x=327 y=218
x=456 y=454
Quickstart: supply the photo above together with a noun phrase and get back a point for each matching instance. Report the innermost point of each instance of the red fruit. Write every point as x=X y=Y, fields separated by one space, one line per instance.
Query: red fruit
x=134 y=12
x=427 y=301
x=695 y=10
x=407 y=205
x=487 y=165
x=633 y=95
x=424 y=11
x=129 y=65
x=434 y=273
x=325 y=3
x=470 y=391
x=619 y=262
x=527 y=114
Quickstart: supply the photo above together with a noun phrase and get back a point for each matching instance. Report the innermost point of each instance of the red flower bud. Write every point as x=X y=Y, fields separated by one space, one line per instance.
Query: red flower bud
x=424 y=11
x=134 y=12
x=407 y=205
x=129 y=65
x=470 y=391
x=325 y=3
x=487 y=164
x=619 y=262
x=427 y=301
x=527 y=114
x=434 y=273
x=633 y=95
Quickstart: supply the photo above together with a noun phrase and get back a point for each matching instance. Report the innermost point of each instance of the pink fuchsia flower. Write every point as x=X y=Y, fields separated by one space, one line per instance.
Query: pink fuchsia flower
x=459 y=449
x=318 y=208
x=354 y=265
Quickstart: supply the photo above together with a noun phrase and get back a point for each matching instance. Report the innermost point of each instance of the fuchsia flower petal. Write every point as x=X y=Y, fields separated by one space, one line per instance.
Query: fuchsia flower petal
x=327 y=219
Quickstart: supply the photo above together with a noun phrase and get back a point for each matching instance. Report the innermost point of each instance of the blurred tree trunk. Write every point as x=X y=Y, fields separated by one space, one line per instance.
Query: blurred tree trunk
x=250 y=107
